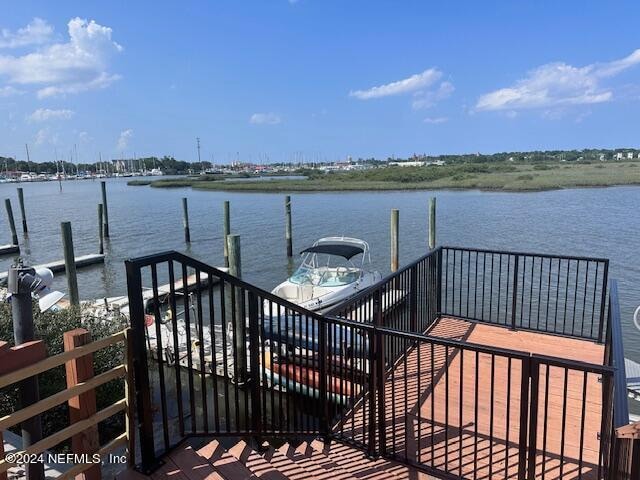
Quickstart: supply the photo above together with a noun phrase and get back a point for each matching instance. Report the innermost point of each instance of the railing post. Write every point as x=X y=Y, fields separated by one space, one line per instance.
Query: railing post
x=322 y=352
x=603 y=301
x=413 y=300
x=381 y=370
x=534 y=374
x=373 y=383
x=524 y=418
x=140 y=367
x=83 y=406
x=439 y=284
x=254 y=355
x=514 y=295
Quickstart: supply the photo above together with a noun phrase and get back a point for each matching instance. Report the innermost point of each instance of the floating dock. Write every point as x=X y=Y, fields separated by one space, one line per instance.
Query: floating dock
x=9 y=249
x=58 y=265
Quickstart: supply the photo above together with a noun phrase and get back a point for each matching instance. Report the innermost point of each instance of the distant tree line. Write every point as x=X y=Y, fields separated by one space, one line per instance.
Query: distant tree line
x=169 y=165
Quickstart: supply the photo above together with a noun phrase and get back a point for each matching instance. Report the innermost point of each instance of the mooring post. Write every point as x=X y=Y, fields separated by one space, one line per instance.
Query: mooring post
x=432 y=222
x=288 y=230
x=100 y=229
x=395 y=225
x=226 y=231
x=70 y=263
x=23 y=331
x=237 y=301
x=12 y=223
x=185 y=220
x=105 y=208
x=25 y=230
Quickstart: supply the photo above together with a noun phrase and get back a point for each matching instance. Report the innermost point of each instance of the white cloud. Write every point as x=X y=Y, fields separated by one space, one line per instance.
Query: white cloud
x=101 y=81
x=124 y=138
x=9 y=91
x=268 y=118
x=80 y=64
x=427 y=99
x=44 y=114
x=45 y=135
x=436 y=120
x=413 y=83
x=558 y=84
x=37 y=32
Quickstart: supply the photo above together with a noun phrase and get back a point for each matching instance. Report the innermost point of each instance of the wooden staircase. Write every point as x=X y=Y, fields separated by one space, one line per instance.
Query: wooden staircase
x=309 y=460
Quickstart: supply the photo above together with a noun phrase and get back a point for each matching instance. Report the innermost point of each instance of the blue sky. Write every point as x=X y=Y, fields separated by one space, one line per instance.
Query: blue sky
x=318 y=79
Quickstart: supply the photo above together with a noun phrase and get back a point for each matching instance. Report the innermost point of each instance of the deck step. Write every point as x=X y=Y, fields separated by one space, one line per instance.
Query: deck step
x=285 y=465
x=228 y=466
x=360 y=466
x=193 y=465
x=255 y=462
x=320 y=466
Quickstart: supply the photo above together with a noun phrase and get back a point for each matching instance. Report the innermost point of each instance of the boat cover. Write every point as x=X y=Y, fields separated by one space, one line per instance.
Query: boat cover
x=340 y=249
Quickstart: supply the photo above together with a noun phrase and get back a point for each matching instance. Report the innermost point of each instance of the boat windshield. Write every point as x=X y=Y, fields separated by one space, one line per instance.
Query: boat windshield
x=323 y=274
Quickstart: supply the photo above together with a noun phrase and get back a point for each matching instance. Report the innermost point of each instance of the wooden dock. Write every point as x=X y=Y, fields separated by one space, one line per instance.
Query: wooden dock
x=437 y=415
x=58 y=266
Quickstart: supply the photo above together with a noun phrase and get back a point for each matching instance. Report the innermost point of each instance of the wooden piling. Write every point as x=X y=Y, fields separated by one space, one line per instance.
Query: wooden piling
x=25 y=230
x=69 y=263
x=84 y=405
x=12 y=223
x=238 y=320
x=185 y=221
x=432 y=222
x=395 y=247
x=100 y=229
x=288 y=230
x=226 y=230
x=105 y=208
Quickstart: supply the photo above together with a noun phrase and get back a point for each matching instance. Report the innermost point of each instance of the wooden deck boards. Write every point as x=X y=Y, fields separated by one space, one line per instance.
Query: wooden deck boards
x=461 y=431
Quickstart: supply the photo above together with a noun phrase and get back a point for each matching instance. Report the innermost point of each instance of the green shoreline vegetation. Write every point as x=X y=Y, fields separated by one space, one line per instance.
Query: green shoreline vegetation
x=502 y=176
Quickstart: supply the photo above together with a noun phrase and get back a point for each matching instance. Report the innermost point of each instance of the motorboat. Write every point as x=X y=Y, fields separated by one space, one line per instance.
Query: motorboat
x=333 y=269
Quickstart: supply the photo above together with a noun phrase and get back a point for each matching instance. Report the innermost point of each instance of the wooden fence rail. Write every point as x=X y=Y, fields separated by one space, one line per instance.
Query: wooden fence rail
x=28 y=360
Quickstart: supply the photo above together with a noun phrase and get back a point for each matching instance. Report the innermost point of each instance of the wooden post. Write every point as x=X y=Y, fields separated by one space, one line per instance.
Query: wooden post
x=12 y=223
x=105 y=208
x=235 y=269
x=432 y=222
x=130 y=395
x=185 y=221
x=100 y=229
x=395 y=248
x=84 y=405
x=25 y=230
x=70 y=263
x=288 y=232
x=226 y=231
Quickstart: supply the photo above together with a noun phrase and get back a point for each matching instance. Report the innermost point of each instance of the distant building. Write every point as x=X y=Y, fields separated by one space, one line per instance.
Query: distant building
x=629 y=155
x=407 y=164
x=619 y=156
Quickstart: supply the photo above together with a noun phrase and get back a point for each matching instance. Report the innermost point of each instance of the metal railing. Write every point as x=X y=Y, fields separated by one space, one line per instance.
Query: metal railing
x=232 y=359
x=562 y=295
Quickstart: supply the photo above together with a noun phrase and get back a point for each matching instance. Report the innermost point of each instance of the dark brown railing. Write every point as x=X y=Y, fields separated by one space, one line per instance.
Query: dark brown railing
x=370 y=373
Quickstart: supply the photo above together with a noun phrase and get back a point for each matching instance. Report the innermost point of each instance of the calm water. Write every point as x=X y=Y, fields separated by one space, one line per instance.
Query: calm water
x=144 y=220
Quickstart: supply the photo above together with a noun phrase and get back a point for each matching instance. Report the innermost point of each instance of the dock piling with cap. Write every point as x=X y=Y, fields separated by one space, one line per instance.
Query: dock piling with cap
x=100 y=229
x=226 y=230
x=185 y=220
x=105 y=208
x=288 y=230
x=432 y=223
x=395 y=246
x=70 y=263
x=12 y=222
x=25 y=229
